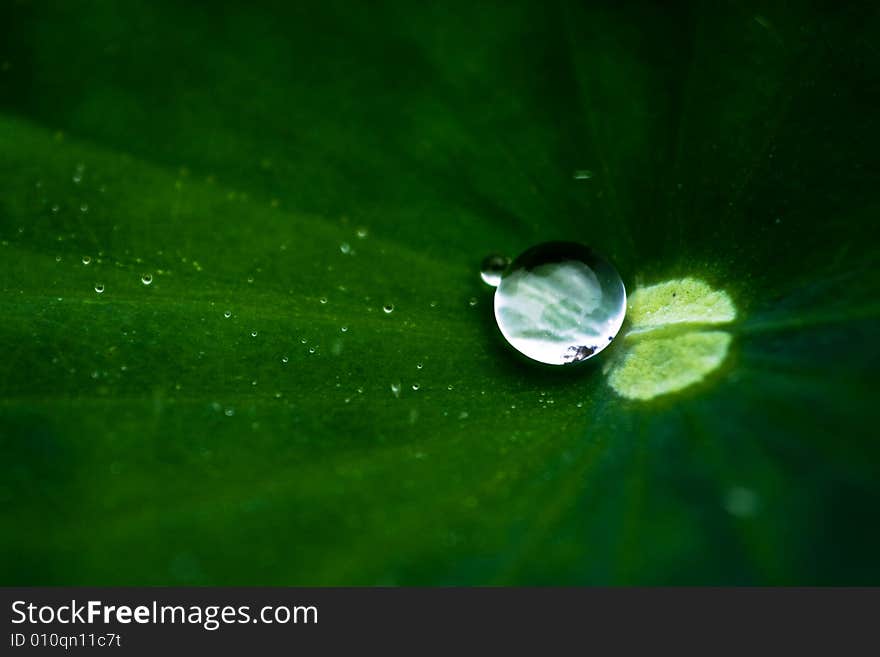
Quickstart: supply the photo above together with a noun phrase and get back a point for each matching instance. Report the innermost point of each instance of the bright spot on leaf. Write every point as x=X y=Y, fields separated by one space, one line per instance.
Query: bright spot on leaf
x=668 y=347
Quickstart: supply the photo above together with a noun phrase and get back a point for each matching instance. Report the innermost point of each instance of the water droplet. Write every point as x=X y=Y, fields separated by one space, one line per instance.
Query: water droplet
x=344 y=329
x=311 y=350
x=146 y=279
x=99 y=288
x=84 y=207
x=582 y=174
x=345 y=247
x=741 y=502
x=463 y=415
x=250 y=279
x=450 y=387
x=57 y=258
x=395 y=388
x=253 y=334
x=227 y=314
x=419 y=366
x=492 y=268
x=284 y=359
x=558 y=303
x=472 y=302
x=229 y=412
x=362 y=233
x=55 y=209
x=388 y=308
x=415 y=386
x=86 y=260
x=323 y=300
x=304 y=340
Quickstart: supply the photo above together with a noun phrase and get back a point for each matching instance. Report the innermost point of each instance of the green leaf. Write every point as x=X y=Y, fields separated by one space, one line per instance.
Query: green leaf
x=301 y=166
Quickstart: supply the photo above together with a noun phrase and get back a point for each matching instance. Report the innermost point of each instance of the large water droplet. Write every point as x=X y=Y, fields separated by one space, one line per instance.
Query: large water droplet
x=492 y=268
x=560 y=302
x=388 y=308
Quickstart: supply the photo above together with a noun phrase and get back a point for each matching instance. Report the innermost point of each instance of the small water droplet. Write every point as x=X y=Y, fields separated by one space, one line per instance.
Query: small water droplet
x=415 y=386
x=388 y=308
x=323 y=300
x=57 y=258
x=227 y=314
x=86 y=260
x=362 y=233
x=419 y=366
x=229 y=412
x=84 y=207
x=345 y=247
x=253 y=334
x=55 y=209
x=311 y=350
x=304 y=340
x=395 y=388
x=284 y=359
x=146 y=279
x=472 y=302
x=582 y=174
x=344 y=329
x=450 y=387
x=463 y=415
x=492 y=268
x=99 y=288
x=250 y=279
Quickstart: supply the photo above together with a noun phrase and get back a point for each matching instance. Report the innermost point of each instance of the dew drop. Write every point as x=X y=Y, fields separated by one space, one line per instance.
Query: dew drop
x=450 y=387
x=99 y=288
x=84 y=207
x=472 y=302
x=415 y=386
x=388 y=308
x=344 y=329
x=345 y=248
x=284 y=359
x=227 y=314
x=362 y=233
x=57 y=258
x=86 y=260
x=304 y=341
x=146 y=279
x=229 y=412
x=558 y=303
x=492 y=268
x=582 y=174
x=419 y=366
x=253 y=334
x=323 y=300
x=311 y=350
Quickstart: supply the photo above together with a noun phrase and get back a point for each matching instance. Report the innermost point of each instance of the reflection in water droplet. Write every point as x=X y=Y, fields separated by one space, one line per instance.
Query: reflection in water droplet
x=146 y=279
x=559 y=302
x=492 y=268
x=388 y=308
x=99 y=288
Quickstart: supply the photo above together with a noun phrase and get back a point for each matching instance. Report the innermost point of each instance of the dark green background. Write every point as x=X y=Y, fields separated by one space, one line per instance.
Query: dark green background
x=224 y=143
